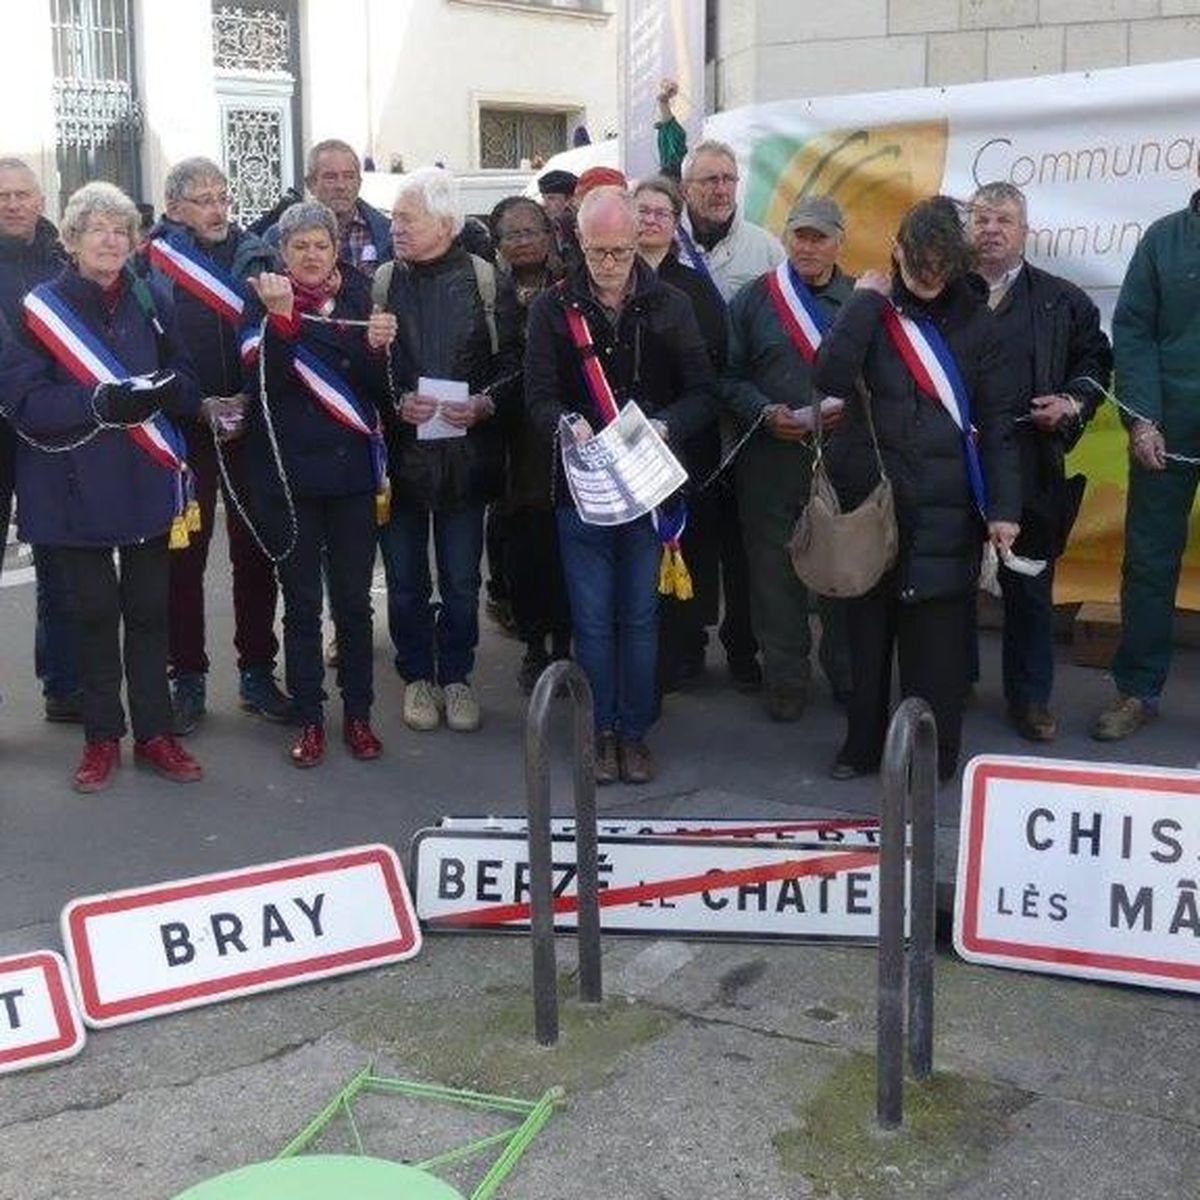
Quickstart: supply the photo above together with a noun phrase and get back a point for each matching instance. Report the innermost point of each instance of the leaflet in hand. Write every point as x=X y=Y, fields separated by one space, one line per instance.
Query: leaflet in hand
x=449 y=393
x=621 y=473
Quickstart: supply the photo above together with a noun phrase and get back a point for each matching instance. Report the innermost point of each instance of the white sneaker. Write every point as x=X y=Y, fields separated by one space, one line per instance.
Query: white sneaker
x=422 y=705
x=462 y=709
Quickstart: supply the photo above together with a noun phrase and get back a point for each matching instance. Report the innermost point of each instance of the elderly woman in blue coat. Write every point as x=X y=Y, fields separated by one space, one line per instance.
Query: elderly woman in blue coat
x=90 y=385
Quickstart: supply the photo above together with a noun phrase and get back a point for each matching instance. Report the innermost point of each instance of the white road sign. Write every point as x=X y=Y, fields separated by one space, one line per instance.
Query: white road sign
x=158 y=949
x=38 y=1021
x=667 y=886
x=1077 y=868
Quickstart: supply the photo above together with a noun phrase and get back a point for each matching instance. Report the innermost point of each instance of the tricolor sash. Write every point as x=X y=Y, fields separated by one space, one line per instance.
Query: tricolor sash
x=337 y=398
x=797 y=309
x=670 y=520
x=696 y=259
x=200 y=275
x=931 y=362
x=60 y=329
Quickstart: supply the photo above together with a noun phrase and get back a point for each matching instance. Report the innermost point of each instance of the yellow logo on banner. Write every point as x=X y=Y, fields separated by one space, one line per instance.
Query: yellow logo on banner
x=874 y=174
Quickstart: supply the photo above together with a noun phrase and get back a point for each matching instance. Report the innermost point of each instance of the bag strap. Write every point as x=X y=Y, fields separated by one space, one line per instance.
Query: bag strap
x=485 y=281
x=864 y=395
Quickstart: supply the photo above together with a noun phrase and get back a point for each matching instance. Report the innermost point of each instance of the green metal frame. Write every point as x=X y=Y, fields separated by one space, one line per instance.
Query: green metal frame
x=533 y=1113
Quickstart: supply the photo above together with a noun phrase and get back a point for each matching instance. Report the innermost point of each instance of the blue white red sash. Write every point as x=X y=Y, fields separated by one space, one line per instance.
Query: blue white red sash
x=797 y=309
x=197 y=273
x=61 y=330
x=251 y=344
x=931 y=362
x=337 y=398
x=696 y=259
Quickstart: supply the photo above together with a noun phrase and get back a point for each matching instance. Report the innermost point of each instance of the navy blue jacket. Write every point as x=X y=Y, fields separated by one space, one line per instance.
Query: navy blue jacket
x=321 y=457
x=23 y=265
x=107 y=491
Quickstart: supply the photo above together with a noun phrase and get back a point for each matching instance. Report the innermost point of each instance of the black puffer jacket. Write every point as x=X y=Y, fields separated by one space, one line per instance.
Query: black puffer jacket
x=654 y=354
x=444 y=335
x=941 y=532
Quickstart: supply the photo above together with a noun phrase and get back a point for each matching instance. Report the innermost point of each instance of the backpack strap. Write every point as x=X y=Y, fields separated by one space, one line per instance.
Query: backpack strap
x=485 y=281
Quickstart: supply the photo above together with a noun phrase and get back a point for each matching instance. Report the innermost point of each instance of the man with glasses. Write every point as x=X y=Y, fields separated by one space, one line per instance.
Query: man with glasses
x=646 y=340
x=728 y=252
x=193 y=245
x=30 y=253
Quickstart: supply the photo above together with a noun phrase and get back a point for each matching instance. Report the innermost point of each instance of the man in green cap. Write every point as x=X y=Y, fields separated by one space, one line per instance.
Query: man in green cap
x=776 y=323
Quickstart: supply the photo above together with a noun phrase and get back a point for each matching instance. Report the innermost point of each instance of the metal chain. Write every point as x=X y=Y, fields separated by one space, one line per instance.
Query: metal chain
x=231 y=491
x=100 y=426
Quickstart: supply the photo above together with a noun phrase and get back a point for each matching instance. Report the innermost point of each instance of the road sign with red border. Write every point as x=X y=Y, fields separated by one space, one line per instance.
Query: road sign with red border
x=38 y=1021
x=475 y=879
x=178 y=945
x=1084 y=869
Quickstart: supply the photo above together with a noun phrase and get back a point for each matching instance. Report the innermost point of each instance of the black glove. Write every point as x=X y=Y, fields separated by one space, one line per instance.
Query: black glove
x=132 y=401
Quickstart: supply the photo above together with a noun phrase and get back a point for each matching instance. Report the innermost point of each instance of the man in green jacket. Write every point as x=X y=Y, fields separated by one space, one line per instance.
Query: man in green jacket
x=1156 y=341
x=775 y=325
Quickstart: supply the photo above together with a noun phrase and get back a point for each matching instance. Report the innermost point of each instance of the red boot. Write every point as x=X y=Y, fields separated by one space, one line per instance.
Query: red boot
x=360 y=739
x=98 y=765
x=166 y=756
x=309 y=748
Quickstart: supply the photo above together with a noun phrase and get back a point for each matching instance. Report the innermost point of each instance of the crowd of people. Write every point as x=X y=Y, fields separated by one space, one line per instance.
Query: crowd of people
x=355 y=386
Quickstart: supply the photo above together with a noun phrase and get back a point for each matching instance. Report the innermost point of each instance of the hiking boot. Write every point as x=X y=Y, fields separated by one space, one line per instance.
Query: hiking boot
x=165 y=756
x=360 y=739
x=745 y=674
x=785 y=706
x=187 y=703
x=637 y=763
x=1123 y=716
x=531 y=668
x=462 y=709
x=309 y=748
x=98 y=765
x=1034 y=722
x=422 y=705
x=65 y=710
x=607 y=767
x=259 y=693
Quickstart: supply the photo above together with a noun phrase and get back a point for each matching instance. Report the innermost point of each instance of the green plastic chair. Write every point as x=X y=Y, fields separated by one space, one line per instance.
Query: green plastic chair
x=324 y=1177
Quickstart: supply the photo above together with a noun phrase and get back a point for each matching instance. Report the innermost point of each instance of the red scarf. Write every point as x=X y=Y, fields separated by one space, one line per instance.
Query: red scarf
x=319 y=299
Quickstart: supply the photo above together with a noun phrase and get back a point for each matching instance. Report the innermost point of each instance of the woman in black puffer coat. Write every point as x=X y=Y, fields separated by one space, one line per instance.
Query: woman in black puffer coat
x=921 y=608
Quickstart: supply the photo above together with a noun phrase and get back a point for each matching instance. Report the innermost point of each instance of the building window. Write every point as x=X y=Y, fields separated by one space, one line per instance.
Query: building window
x=97 y=118
x=510 y=136
x=256 y=60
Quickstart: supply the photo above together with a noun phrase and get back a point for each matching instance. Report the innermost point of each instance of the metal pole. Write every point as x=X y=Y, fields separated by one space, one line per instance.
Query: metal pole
x=569 y=677
x=909 y=758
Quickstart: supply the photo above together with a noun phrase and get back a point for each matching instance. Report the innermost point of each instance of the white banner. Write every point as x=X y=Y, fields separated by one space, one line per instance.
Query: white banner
x=1099 y=155
x=664 y=39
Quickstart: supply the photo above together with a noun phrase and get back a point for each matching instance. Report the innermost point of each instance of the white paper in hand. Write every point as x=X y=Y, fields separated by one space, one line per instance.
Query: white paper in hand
x=448 y=392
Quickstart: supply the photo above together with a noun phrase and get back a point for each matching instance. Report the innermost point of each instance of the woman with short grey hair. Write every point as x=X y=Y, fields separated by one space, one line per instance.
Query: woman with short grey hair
x=307 y=215
x=92 y=387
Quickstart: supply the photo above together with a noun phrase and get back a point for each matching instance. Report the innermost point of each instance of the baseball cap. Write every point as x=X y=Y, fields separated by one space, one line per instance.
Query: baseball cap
x=816 y=212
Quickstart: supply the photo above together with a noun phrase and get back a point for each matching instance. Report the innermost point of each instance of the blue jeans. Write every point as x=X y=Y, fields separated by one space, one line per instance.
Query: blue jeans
x=435 y=643
x=612 y=581
x=55 y=643
x=1028 y=637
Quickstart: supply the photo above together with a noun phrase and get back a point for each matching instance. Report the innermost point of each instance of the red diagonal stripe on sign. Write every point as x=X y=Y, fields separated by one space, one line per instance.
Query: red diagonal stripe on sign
x=711 y=881
x=776 y=828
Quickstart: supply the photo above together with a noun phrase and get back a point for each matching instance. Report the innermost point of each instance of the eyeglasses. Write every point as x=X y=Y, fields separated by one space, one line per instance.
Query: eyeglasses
x=522 y=235
x=729 y=179
x=660 y=216
x=100 y=232
x=209 y=200
x=613 y=254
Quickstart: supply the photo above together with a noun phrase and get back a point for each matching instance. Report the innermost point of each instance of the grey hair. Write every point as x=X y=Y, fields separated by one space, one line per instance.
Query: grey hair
x=708 y=146
x=102 y=199
x=439 y=192
x=606 y=197
x=19 y=164
x=308 y=214
x=187 y=172
x=315 y=152
x=1002 y=192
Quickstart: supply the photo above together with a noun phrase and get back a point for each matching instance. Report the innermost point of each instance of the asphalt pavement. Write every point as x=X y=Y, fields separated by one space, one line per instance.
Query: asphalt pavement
x=711 y=1070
